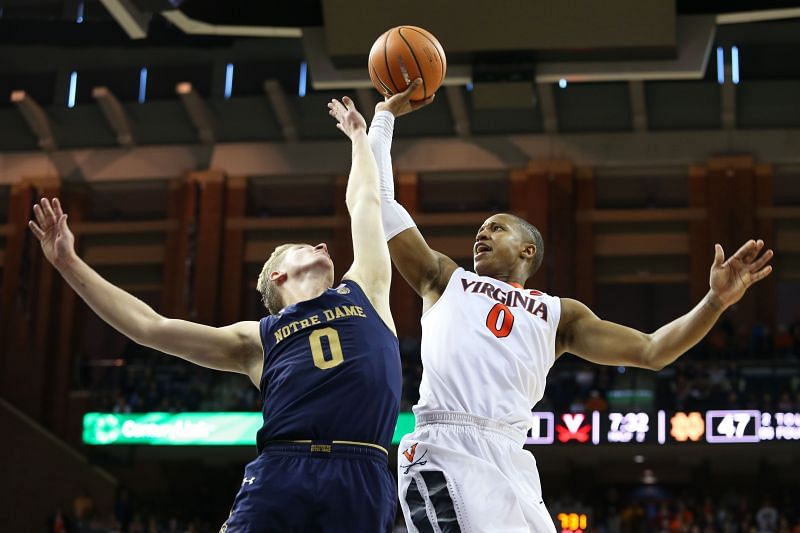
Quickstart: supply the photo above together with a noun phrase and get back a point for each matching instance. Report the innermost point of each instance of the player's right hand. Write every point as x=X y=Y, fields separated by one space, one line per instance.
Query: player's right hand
x=400 y=104
x=348 y=119
x=50 y=227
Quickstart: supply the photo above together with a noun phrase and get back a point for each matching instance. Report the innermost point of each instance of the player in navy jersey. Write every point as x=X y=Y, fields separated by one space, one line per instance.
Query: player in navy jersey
x=326 y=362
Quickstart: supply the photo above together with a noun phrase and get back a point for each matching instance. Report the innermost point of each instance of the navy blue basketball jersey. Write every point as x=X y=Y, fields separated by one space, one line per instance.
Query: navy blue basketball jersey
x=331 y=371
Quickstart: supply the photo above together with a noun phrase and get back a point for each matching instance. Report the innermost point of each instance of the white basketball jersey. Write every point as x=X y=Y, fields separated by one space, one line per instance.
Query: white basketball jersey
x=486 y=349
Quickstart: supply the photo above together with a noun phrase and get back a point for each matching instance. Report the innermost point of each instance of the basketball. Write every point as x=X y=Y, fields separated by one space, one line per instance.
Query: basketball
x=405 y=53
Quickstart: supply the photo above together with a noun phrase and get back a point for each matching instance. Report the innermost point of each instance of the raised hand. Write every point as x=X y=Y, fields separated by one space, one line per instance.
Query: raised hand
x=50 y=227
x=400 y=104
x=730 y=279
x=348 y=119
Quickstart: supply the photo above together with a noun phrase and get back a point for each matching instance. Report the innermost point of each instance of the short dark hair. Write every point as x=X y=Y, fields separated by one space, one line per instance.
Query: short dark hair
x=531 y=232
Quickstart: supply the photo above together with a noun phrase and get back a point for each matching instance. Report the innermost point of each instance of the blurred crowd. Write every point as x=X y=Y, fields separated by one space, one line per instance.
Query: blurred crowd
x=84 y=517
x=728 y=369
x=652 y=510
x=647 y=509
x=144 y=380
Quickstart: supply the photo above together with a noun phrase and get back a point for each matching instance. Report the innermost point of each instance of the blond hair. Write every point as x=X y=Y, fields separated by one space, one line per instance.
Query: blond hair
x=270 y=296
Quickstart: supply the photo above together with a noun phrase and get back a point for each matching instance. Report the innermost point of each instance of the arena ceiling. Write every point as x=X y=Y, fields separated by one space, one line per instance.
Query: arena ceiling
x=619 y=68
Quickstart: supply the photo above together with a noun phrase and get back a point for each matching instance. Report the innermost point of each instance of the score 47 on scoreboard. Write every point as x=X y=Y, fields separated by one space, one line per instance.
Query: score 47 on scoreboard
x=714 y=427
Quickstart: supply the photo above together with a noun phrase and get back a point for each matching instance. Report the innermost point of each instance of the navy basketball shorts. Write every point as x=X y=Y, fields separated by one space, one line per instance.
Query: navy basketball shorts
x=334 y=488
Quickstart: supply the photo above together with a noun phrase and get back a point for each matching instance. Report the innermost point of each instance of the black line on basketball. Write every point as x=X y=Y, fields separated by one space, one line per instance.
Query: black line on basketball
x=419 y=68
x=378 y=77
x=386 y=58
x=435 y=48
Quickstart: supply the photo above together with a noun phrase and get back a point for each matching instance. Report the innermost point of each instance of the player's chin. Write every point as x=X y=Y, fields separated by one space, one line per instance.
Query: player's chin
x=481 y=265
x=323 y=259
x=323 y=266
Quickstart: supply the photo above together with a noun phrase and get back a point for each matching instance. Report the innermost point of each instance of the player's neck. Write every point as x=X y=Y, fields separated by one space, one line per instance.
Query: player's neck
x=506 y=277
x=300 y=290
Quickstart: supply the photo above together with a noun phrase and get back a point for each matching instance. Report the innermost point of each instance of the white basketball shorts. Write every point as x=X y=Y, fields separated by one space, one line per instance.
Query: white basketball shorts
x=459 y=472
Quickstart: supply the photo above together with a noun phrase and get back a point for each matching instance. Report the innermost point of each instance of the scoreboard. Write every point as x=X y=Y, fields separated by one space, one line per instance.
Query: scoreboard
x=661 y=427
x=582 y=429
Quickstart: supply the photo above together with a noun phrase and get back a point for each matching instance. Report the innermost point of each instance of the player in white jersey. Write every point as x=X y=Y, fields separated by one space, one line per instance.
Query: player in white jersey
x=487 y=345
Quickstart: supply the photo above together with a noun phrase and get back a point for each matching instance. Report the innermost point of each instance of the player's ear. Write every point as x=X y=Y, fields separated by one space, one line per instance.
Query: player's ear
x=278 y=277
x=528 y=251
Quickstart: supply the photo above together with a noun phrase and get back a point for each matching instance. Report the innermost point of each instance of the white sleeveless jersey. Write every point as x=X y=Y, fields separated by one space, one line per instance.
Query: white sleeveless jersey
x=486 y=349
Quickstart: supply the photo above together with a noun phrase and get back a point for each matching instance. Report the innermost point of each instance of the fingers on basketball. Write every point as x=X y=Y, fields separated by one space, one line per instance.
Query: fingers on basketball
x=423 y=103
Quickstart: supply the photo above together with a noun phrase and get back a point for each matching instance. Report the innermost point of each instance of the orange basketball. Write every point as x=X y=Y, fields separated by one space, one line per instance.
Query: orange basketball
x=403 y=54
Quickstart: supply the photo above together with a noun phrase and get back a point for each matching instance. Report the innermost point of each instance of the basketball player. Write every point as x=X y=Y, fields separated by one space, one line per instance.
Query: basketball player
x=326 y=361
x=487 y=345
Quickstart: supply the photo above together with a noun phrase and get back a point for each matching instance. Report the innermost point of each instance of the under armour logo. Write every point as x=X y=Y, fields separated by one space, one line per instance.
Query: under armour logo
x=248 y=480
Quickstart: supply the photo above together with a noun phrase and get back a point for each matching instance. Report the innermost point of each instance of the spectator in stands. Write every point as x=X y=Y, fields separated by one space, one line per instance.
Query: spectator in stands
x=123 y=510
x=766 y=402
x=136 y=525
x=59 y=522
x=783 y=343
x=794 y=330
x=681 y=391
x=767 y=517
x=120 y=404
x=83 y=506
x=785 y=402
x=596 y=402
x=732 y=401
x=584 y=379
x=577 y=405
x=761 y=341
x=717 y=342
x=632 y=518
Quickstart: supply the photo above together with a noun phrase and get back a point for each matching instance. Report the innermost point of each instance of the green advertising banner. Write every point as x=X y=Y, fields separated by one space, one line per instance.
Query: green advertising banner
x=188 y=429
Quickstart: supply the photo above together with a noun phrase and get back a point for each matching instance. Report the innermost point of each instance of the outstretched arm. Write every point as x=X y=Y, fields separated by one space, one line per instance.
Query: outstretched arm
x=235 y=348
x=371 y=268
x=582 y=333
x=426 y=270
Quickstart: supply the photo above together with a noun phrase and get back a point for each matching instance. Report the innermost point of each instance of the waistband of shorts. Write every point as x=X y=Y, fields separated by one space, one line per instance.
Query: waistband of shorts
x=320 y=448
x=452 y=418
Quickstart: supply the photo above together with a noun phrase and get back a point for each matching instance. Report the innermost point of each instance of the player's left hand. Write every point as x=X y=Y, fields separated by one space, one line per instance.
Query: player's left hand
x=730 y=279
x=348 y=119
